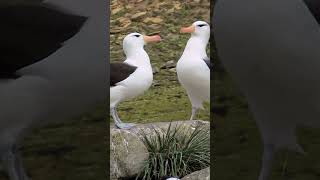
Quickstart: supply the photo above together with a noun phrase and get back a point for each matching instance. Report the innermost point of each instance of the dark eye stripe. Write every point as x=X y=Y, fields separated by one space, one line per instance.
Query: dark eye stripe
x=137 y=35
x=200 y=25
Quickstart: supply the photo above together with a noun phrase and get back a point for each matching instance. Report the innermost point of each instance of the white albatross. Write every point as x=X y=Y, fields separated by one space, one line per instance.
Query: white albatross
x=132 y=77
x=193 y=68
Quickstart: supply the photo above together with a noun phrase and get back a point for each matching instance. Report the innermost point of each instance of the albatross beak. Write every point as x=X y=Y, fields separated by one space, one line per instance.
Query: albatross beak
x=189 y=29
x=155 y=38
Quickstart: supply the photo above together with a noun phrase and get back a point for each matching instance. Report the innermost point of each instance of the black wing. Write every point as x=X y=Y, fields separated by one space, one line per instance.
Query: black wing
x=208 y=62
x=314 y=7
x=120 y=72
x=30 y=33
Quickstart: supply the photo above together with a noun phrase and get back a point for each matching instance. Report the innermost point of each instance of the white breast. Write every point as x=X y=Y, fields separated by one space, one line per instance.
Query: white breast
x=194 y=75
x=136 y=84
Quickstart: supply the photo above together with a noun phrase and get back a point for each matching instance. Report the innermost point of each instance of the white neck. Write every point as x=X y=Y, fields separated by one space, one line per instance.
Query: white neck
x=196 y=45
x=138 y=57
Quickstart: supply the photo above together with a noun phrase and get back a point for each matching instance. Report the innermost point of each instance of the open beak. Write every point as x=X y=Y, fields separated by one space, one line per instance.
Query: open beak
x=154 y=38
x=189 y=29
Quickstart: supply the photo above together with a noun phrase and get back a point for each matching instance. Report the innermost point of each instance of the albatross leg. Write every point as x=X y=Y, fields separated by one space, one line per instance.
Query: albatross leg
x=267 y=161
x=20 y=167
x=118 y=122
x=10 y=165
x=194 y=112
x=12 y=161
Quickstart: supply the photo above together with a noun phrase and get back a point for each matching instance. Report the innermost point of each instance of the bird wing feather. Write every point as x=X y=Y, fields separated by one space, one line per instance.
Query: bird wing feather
x=32 y=32
x=208 y=62
x=314 y=7
x=120 y=72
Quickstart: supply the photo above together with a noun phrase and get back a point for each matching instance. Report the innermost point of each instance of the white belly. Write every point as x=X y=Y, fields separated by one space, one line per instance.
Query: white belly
x=195 y=78
x=136 y=84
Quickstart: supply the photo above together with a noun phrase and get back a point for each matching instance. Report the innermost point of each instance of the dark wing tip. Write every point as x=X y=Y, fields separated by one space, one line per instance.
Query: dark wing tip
x=72 y=22
x=314 y=7
x=208 y=62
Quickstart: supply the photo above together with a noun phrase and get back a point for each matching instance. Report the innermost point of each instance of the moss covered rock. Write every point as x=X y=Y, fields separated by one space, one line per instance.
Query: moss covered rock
x=203 y=174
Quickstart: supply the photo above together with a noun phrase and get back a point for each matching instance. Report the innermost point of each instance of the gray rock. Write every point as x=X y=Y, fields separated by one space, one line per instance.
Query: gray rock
x=203 y=174
x=155 y=70
x=174 y=70
x=127 y=154
x=169 y=65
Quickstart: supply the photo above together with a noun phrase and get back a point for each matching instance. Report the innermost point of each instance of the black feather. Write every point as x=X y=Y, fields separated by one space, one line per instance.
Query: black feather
x=314 y=7
x=30 y=33
x=120 y=72
x=208 y=62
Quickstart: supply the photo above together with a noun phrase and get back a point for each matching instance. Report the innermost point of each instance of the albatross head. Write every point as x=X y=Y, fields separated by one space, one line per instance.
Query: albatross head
x=199 y=28
x=135 y=41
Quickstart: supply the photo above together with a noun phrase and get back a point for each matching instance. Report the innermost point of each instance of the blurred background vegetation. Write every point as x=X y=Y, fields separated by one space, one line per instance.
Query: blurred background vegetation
x=166 y=100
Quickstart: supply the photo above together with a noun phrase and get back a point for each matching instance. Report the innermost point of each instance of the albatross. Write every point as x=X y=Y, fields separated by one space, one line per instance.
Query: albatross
x=271 y=49
x=52 y=68
x=193 y=67
x=132 y=77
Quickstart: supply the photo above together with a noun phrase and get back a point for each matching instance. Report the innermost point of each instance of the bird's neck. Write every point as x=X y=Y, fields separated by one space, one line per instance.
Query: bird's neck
x=138 y=57
x=196 y=45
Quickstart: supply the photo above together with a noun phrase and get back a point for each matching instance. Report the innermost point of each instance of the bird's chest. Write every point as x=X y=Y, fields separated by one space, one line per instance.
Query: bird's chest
x=139 y=81
x=190 y=65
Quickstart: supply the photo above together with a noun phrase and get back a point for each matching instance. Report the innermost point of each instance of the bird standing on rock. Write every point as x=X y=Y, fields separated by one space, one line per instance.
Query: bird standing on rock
x=193 y=68
x=131 y=77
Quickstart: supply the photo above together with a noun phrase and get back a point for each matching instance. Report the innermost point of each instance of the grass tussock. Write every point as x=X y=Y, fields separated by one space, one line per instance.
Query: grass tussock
x=176 y=152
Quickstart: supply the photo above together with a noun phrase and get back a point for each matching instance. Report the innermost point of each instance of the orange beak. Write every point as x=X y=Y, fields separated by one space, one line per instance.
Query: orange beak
x=155 y=38
x=189 y=29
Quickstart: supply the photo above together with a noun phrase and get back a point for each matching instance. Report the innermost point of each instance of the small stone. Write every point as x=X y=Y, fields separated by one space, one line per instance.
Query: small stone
x=138 y=15
x=155 y=70
x=169 y=64
x=203 y=174
x=173 y=70
x=115 y=11
x=156 y=83
x=155 y=20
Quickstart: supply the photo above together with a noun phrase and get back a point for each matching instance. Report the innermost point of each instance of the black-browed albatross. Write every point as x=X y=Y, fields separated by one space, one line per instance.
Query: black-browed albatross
x=53 y=67
x=271 y=49
x=193 y=67
x=131 y=77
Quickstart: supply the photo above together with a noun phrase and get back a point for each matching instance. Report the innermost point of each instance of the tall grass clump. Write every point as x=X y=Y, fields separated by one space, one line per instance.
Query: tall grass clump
x=176 y=152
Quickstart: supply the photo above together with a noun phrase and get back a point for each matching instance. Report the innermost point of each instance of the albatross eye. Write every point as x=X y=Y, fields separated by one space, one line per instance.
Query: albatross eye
x=201 y=25
x=137 y=35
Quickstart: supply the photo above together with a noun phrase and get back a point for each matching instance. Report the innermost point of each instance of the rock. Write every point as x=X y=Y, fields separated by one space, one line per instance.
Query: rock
x=203 y=174
x=138 y=15
x=169 y=64
x=155 y=70
x=174 y=70
x=128 y=153
x=155 y=20
x=156 y=83
x=116 y=10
